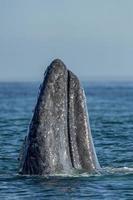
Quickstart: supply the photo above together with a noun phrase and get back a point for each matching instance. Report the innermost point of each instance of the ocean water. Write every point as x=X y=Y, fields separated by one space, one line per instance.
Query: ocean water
x=110 y=106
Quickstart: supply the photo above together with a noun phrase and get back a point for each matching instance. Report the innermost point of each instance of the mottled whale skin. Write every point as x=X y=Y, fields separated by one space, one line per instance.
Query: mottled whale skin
x=59 y=137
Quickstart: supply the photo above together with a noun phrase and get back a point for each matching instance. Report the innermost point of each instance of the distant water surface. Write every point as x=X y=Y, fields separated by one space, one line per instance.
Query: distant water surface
x=110 y=106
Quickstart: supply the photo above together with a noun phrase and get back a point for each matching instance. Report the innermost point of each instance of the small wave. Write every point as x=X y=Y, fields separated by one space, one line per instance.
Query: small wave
x=105 y=171
x=101 y=172
x=122 y=170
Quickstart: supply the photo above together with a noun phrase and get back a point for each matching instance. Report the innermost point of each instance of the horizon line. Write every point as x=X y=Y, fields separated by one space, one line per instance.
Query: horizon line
x=83 y=79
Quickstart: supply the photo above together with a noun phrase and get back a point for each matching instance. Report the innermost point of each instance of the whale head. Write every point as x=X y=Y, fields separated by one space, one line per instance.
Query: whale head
x=59 y=138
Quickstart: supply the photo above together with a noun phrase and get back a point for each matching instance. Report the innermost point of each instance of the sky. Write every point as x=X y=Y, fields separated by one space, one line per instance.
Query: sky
x=94 y=38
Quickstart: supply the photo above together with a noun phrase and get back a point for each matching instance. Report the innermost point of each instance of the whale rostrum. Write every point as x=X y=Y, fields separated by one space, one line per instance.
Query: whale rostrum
x=59 y=137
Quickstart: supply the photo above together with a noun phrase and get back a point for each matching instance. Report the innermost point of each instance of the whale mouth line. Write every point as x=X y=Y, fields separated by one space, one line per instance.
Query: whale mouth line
x=59 y=138
x=68 y=120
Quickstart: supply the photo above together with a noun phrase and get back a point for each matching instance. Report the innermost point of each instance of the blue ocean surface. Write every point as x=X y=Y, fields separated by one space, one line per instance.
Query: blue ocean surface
x=110 y=106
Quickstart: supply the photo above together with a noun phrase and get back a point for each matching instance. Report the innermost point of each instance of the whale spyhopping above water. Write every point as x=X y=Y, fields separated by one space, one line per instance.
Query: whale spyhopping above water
x=59 y=138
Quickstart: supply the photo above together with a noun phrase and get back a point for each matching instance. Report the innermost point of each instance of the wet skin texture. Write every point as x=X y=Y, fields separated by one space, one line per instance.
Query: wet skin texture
x=59 y=138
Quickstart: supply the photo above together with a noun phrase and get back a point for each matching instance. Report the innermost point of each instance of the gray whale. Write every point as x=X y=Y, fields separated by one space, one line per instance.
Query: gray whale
x=59 y=137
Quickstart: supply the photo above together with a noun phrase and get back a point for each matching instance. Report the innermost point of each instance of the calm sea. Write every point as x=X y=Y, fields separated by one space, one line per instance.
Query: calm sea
x=110 y=106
